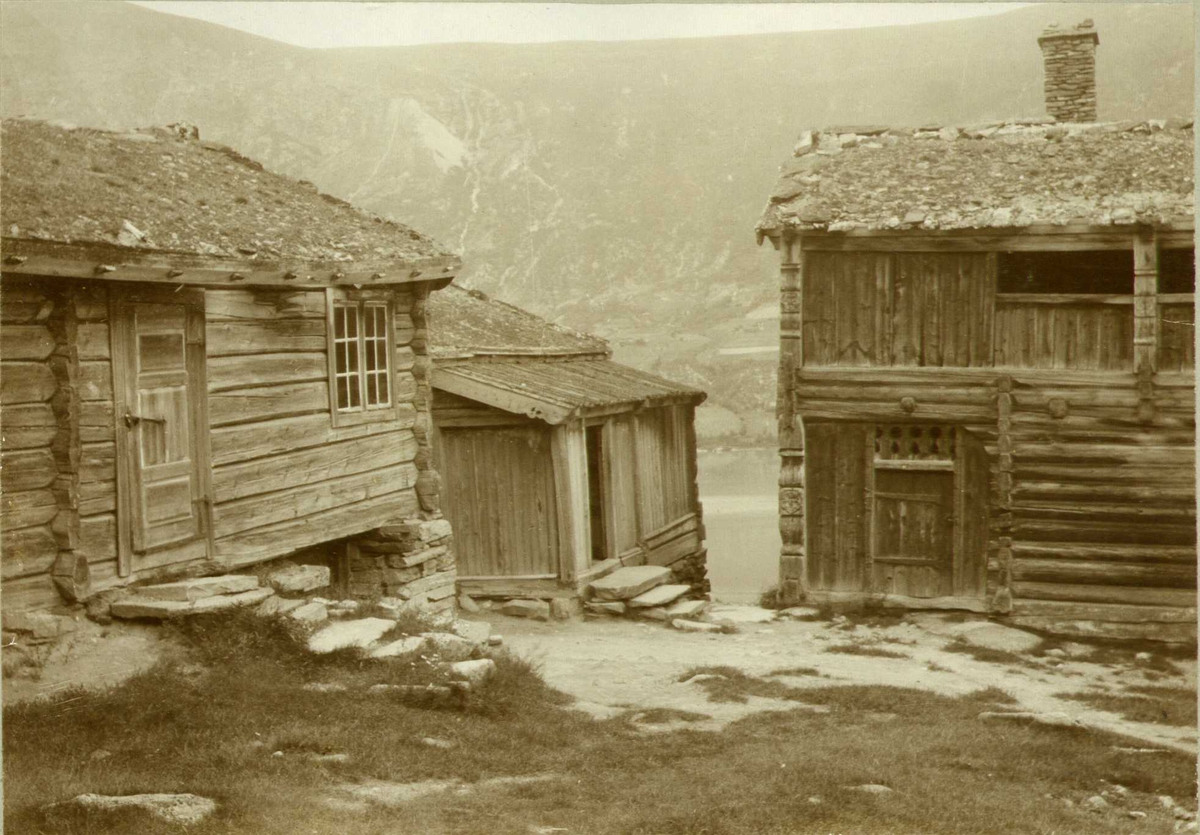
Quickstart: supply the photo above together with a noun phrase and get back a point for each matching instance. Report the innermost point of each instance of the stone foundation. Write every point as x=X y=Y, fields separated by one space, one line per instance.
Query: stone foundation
x=412 y=561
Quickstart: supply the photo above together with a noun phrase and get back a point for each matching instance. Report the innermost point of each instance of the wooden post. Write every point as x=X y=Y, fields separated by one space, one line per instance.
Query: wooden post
x=793 y=581
x=999 y=584
x=1145 y=301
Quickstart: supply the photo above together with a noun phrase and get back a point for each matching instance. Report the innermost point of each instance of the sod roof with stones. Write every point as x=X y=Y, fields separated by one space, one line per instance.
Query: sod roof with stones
x=165 y=189
x=994 y=175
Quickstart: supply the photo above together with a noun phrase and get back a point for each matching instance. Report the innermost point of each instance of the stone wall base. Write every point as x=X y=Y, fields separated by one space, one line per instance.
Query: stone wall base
x=411 y=560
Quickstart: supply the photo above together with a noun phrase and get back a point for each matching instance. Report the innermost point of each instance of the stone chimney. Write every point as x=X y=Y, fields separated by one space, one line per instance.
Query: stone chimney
x=1070 y=56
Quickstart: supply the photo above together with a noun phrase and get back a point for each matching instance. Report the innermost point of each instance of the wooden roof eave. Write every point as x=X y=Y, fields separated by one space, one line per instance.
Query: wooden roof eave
x=499 y=397
x=1176 y=235
x=24 y=256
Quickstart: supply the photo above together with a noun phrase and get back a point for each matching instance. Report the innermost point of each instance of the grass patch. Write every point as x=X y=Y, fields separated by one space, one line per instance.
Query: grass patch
x=867 y=650
x=796 y=671
x=729 y=684
x=962 y=646
x=214 y=735
x=1156 y=704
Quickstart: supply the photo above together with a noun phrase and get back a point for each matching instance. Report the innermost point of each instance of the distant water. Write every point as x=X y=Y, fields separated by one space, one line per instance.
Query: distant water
x=739 y=492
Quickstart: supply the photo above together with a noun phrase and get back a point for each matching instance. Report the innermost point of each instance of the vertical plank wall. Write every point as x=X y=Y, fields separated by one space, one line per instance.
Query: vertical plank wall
x=283 y=476
x=1083 y=335
x=498 y=493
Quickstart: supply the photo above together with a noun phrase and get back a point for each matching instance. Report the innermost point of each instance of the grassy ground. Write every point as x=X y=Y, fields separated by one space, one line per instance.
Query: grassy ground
x=213 y=727
x=1163 y=705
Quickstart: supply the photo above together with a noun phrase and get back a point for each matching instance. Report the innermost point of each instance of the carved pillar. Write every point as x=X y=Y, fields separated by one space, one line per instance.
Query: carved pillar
x=792 y=567
x=999 y=579
x=1145 y=320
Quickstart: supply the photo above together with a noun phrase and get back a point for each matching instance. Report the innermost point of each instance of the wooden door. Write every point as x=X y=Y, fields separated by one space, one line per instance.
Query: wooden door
x=913 y=536
x=162 y=427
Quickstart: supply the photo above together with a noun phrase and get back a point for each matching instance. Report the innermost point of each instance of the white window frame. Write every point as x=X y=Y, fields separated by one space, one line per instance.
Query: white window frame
x=361 y=302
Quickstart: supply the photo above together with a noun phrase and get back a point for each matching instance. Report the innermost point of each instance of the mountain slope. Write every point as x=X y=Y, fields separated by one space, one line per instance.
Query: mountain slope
x=611 y=185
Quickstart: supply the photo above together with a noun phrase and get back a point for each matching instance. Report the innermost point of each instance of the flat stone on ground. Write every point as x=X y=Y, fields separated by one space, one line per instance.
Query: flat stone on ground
x=136 y=607
x=872 y=788
x=278 y=606
x=468 y=604
x=631 y=581
x=654 y=613
x=231 y=601
x=198 y=587
x=447 y=646
x=605 y=607
x=659 y=596
x=360 y=633
x=385 y=793
x=475 y=631
x=475 y=673
x=996 y=636
x=687 y=609
x=407 y=645
x=538 y=609
x=310 y=613
x=740 y=614
x=801 y=613
x=299 y=578
x=694 y=626
x=183 y=809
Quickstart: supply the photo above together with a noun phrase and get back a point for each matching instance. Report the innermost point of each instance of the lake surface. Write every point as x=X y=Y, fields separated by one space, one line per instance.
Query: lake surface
x=739 y=490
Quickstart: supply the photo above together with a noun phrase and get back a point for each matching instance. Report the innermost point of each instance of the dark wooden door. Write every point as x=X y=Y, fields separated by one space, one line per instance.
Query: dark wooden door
x=914 y=533
x=161 y=425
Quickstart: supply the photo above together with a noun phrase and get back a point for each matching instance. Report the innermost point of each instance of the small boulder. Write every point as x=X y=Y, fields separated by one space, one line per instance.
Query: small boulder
x=39 y=626
x=1095 y=803
x=275 y=605
x=468 y=604
x=562 y=608
x=872 y=788
x=495 y=640
x=475 y=673
x=310 y=613
x=448 y=647
x=437 y=742
x=536 y=609
x=475 y=631
x=299 y=578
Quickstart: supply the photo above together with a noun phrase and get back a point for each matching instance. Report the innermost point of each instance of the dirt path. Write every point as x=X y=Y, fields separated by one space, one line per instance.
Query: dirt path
x=614 y=665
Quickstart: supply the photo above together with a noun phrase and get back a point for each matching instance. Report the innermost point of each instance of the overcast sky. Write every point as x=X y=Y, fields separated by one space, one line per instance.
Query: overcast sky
x=317 y=24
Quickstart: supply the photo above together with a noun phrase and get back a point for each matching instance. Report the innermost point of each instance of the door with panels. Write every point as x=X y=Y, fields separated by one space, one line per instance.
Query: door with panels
x=160 y=408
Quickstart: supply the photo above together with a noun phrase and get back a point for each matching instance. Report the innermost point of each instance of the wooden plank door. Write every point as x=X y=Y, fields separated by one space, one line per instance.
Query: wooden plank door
x=161 y=427
x=913 y=535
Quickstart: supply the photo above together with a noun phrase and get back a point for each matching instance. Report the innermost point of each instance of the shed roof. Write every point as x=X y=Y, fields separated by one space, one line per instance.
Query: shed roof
x=466 y=323
x=555 y=391
x=995 y=175
x=162 y=195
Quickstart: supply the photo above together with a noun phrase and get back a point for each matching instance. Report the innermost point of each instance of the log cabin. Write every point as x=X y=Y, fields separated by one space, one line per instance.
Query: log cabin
x=558 y=465
x=986 y=394
x=204 y=366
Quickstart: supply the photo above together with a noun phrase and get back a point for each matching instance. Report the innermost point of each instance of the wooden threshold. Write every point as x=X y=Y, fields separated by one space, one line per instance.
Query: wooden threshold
x=898 y=601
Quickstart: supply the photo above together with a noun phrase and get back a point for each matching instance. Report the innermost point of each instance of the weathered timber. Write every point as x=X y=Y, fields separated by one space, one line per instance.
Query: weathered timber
x=95 y=380
x=26 y=382
x=26 y=551
x=270 y=336
x=1135 y=552
x=93 y=341
x=27 y=469
x=257 y=511
x=98 y=536
x=36 y=591
x=241 y=442
x=1104 y=594
x=260 y=403
x=72 y=576
x=26 y=508
x=96 y=421
x=97 y=497
x=1106 y=612
x=1096 y=572
x=27 y=427
x=1072 y=530
x=25 y=342
x=97 y=462
x=285 y=537
x=1073 y=237
x=233 y=372
x=304 y=466
x=257 y=304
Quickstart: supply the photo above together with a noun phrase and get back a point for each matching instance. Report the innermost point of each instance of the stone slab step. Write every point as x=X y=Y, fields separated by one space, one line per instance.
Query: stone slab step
x=136 y=606
x=359 y=633
x=659 y=596
x=628 y=582
x=687 y=609
x=198 y=588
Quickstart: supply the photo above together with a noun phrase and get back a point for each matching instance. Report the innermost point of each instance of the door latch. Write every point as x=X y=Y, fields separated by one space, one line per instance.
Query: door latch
x=132 y=420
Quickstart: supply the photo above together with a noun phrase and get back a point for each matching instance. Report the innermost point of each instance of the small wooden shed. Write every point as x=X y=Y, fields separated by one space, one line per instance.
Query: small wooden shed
x=986 y=386
x=204 y=365
x=558 y=464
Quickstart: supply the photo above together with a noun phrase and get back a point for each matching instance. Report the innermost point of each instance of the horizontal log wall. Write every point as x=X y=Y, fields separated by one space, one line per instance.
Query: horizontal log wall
x=28 y=430
x=1103 y=495
x=283 y=476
